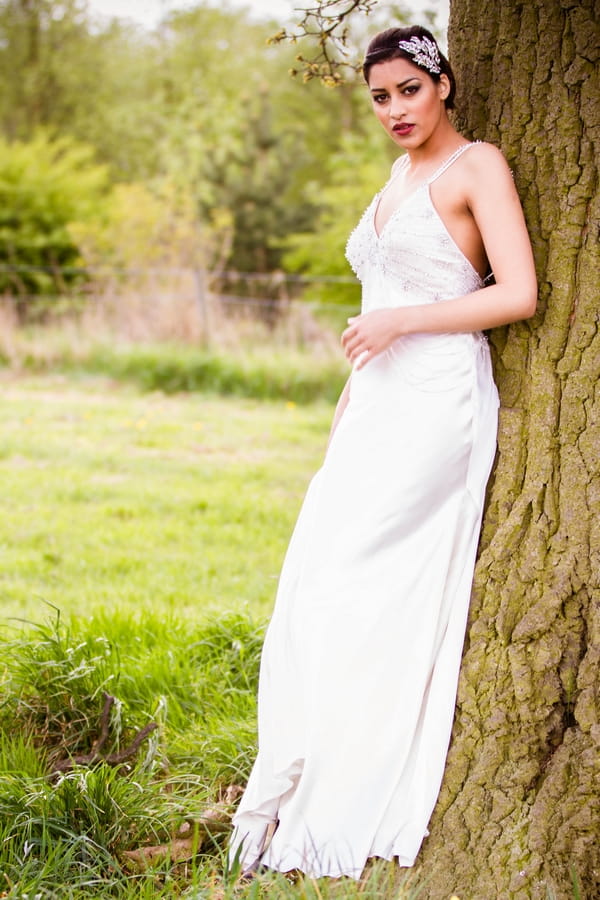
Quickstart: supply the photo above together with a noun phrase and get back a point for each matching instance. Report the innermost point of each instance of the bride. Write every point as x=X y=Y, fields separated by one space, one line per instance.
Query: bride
x=361 y=658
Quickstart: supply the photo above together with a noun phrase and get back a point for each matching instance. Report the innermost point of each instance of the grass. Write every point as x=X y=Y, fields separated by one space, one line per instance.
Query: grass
x=125 y=500
x=66 y=834
x=268 y=376
x=252 y=362
x=197 y=681
x=141 y=537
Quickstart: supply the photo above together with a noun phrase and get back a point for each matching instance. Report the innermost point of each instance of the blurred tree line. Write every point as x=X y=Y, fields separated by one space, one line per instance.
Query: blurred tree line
x=190 y=144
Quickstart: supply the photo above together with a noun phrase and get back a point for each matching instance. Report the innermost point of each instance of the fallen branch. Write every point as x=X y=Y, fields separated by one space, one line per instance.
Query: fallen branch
x=185 y=845
x=111 y=759
x=177 y=850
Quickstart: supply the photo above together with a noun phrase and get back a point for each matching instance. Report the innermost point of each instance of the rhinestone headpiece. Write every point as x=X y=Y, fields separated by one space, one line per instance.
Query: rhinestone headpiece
x=424 y=53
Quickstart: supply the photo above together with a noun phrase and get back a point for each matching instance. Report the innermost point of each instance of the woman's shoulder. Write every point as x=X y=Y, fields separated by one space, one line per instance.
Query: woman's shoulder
x=485 y=158
x=484 y=166
x=485 y=179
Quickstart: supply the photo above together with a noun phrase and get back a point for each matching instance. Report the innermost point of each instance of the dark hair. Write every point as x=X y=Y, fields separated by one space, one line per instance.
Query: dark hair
x=384 y=46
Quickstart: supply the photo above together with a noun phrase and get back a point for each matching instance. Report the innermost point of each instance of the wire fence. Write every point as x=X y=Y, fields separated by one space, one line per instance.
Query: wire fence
x=276 y=275
x=86 y=282
x=173 y=301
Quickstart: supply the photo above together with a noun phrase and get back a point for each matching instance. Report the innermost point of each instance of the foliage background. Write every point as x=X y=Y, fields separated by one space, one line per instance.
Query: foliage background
x=197 y=119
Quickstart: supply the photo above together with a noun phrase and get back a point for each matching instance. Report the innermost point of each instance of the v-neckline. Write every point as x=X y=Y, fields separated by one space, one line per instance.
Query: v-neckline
x=395 y=211
x=424 y=184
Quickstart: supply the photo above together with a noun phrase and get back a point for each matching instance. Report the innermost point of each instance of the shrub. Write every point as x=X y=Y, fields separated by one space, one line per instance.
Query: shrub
x=45 y=185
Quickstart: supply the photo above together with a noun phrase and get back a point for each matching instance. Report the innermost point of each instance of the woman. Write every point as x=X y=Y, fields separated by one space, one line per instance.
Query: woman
x=361 y=659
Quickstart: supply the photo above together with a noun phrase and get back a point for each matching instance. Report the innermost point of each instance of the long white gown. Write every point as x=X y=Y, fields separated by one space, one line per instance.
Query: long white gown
x=361 y=658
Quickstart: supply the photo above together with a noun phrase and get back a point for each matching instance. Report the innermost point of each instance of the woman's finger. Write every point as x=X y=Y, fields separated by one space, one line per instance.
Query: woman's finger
x=350 y=341
x=348 y=334
x=356 y=348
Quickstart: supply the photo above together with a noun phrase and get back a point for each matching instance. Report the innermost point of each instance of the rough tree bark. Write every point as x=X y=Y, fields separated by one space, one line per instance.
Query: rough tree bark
x=519 y=811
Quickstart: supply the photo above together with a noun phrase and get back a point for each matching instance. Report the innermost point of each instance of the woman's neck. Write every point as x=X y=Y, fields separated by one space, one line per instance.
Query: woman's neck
x=441 y=144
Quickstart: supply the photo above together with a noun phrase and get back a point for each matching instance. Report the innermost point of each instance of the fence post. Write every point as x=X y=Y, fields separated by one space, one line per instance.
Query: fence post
x=202 y=302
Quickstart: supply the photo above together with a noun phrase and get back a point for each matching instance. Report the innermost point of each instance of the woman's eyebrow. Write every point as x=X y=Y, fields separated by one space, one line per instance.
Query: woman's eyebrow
x=400 y=85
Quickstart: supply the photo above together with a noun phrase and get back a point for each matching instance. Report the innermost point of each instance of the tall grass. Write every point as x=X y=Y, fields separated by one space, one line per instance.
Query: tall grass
x=70 y=824
x=65 y=832
x=171 y=368
x=296 y=359
x=269 y=375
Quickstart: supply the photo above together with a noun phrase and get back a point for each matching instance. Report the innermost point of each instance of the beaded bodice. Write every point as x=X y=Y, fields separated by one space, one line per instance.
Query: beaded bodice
x=414 y=259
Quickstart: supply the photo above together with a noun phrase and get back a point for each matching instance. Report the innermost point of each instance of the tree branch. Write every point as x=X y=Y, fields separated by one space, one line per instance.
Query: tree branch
x=327 y=21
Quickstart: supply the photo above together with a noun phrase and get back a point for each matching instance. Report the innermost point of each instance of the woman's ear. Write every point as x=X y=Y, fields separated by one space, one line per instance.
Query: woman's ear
x=444 y=86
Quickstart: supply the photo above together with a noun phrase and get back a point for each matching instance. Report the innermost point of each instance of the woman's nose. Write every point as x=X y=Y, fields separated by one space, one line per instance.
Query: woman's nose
x=396 y=107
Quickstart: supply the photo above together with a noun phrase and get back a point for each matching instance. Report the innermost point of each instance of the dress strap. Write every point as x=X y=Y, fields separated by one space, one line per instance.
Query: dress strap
x=448 y=162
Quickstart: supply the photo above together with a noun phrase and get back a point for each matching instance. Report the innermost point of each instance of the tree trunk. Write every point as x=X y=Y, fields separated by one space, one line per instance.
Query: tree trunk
x=519 y=812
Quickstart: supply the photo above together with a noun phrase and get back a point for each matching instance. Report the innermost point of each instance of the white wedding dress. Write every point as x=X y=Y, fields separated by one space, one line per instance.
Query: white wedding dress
x=361 y=658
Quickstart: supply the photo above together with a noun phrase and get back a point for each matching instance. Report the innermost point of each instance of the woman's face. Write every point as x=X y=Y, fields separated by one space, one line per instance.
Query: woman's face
x=408 y=103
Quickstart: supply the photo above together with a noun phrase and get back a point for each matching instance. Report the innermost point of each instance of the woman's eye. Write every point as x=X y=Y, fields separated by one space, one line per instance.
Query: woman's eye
x=411 y=89
x=379 y=98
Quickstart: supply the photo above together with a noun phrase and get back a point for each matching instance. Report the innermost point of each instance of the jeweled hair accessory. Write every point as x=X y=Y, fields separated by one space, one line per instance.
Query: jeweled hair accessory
x=424 y=53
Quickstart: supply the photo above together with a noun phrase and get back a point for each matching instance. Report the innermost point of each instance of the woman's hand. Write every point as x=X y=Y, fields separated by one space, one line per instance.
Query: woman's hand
x=370 y=334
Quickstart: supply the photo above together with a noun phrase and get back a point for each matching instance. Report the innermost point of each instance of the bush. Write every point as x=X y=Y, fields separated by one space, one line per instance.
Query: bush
x=45 y=185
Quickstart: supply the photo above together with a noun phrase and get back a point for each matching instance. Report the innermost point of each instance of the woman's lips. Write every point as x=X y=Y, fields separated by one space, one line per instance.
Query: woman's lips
x=403 y=129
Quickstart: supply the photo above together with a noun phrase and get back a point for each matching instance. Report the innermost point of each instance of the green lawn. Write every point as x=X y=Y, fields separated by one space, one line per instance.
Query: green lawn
x=113 y=498
x=156 y=524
